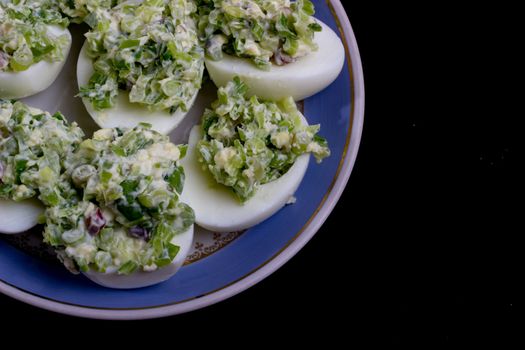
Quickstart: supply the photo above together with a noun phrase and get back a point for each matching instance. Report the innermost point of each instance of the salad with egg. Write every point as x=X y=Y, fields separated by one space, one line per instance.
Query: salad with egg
x=24 y=35
x=277 y=47
x=247 y=158
x=34 y=40
x=248 y=142
x=34 y=146
x=149 y=49
x=265 y=31
x=128 y=209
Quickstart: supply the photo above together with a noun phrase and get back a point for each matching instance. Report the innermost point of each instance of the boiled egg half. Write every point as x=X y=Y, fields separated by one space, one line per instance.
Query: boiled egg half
x=17 y=217
x=300 y=79
x=139 y=278
x=215 y=205
x=36 y=78
x=125 y=114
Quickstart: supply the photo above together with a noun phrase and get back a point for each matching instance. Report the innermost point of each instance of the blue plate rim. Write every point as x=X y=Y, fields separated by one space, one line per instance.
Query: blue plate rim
x=287 y=252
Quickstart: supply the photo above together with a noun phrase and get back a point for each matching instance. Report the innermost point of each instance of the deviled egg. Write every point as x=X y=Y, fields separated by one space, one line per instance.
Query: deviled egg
x=141 y=62
x=127 y=228
x=33 y=148
x=275 y=46
x=247 y=159
x=34 y=45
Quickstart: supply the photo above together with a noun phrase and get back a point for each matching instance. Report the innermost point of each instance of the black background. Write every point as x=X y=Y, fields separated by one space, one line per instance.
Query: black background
x=423 y=248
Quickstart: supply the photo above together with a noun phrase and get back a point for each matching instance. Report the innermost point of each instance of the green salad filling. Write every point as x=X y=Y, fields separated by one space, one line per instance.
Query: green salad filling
x=78 y=10
x=265 y=31
x=248 y=142
x=25 y=38
x=128 y=210
x=149 y=49
x=34 y=148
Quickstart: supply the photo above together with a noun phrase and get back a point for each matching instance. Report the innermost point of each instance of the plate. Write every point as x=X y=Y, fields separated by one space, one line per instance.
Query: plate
x=219 y=265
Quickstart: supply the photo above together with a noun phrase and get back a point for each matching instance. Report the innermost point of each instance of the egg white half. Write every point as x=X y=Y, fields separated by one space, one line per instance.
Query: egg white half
x=301 y=79
x=36 y=78
x=125 y=114
x=17 y=217
x=139 y=279
x=215 y=205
